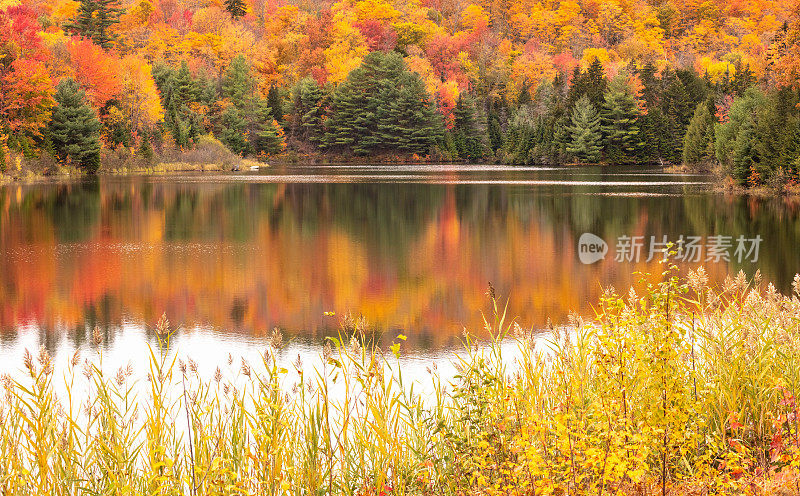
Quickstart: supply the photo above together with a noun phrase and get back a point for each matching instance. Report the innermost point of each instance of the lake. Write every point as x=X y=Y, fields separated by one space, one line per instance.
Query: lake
x=412 y=249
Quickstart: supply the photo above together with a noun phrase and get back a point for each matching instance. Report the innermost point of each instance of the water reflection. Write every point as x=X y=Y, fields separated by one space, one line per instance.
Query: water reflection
x=411 y=250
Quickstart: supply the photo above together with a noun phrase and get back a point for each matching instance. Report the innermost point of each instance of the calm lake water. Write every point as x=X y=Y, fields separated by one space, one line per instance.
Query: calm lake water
x=411 y=248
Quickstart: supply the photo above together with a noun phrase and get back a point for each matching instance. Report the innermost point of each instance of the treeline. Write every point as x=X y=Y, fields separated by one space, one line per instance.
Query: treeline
x=97 y=83
x=746 y=130
x=738 y=125
x=639 y=116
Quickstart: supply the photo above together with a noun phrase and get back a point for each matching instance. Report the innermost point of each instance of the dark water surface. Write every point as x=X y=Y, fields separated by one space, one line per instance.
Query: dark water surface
x=412 y=248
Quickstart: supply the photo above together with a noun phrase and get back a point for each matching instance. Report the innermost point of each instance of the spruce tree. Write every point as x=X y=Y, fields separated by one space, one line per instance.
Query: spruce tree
x=234 y=131
x=743 y=78
x=577 y=87
x=650 y=86
x=676 y=107
x=275 y=102
x=174 y=120
x=74 y=130
x=465 y=130
x=596 y=83
x=266 y=136
x=178 y=91
x=94 y=20
x=236 y=8
x=620 y=123
x=248 y=123
x=309 y=110
x=495 y=131
x=354 y=106
x=374 y=108
x=745 y=154
x=698 y=144
x=409 y=122
x=585 y=136
x=238 y=83
x=792 y=153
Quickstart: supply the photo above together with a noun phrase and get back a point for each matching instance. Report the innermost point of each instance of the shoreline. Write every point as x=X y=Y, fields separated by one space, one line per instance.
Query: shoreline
x=721 y=185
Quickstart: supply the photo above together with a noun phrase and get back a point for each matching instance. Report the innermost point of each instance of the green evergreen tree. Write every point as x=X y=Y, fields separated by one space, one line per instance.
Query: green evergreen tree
x=465 y=130
x=353 y=120
x=586 y=138
x=145 y=149
x=743 y=78
x=275 y=102
x=309 y=110
x=378 y=107
x=596 y=83
x=734 y=151
x=677 y=108
x=792 y=153
x=233 y=131
x=236 y=8
x=265 y=135
x=238 y=83
x=698 y=144
x=495 y=132
x=745 y=156
x=248 y=125
x=577 y=87
x=409 y=122
x=94 y=20
x=650 y=86
x=619 y=117
x=74 y=129
x=178 y=90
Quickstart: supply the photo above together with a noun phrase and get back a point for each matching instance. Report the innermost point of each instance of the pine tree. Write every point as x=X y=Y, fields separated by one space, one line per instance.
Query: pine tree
x=248 y=125
x=596 y=83
x=698 y=144
x=174 y=121
x=178 y=91
x=676 y=107
x=309 y=110
x=275 y=102
x=236 y=8
x=74 y=130
x=409 y=122
x=792 y=153
x=620 y=123
x=465 y=130
x=94 y=20
x=495 y=132
x=238 y=83
x=354 y=106
x=577 y=87
x=743 y=78
x=374 y=108
x=745 y=156
x=585 y=132
x=234 y=131
x=650 y=86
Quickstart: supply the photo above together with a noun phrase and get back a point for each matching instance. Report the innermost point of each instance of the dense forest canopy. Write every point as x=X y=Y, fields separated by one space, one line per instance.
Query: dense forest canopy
x=528 y=81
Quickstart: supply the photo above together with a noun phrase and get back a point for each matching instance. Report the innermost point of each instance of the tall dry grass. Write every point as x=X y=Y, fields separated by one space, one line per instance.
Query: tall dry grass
x=674 y=388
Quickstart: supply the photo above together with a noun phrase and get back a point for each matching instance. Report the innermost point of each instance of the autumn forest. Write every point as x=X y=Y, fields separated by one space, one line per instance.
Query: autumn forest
x=709 y=84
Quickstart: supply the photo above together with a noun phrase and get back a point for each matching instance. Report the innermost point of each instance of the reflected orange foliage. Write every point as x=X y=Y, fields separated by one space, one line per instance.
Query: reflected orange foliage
x=138 y=257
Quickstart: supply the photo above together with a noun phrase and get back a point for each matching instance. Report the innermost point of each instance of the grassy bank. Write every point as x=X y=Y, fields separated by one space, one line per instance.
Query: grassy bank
x=674 y=388
x=208 y=154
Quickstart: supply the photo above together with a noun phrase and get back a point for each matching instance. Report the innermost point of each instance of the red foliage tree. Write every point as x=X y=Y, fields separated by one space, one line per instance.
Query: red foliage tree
x=97 y=71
